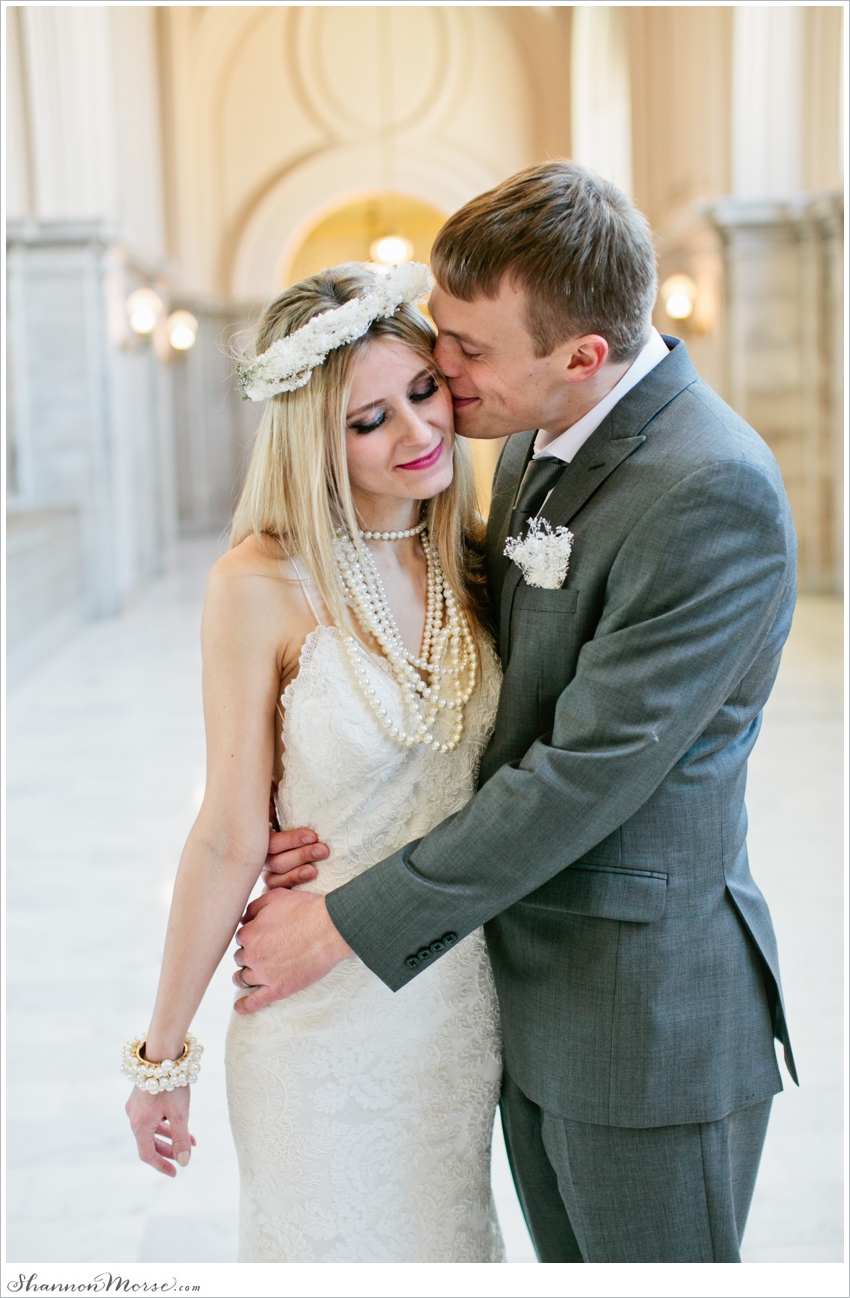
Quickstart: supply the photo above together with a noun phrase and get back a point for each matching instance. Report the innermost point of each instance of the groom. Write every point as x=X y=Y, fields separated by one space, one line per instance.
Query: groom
x=605 y=851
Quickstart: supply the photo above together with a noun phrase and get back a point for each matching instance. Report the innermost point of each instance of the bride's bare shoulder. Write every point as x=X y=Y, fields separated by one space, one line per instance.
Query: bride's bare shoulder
x=256 y=556
x=255 y=578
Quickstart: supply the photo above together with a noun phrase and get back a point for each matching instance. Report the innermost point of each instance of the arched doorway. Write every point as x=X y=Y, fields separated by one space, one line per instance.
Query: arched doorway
x=347 y=233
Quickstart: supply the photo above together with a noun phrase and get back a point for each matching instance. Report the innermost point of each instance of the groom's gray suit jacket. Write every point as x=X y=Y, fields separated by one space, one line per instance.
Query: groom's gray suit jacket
x=633 y=953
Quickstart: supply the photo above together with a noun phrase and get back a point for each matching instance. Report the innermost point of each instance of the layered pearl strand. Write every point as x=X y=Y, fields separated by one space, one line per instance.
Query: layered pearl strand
x=167 y=1075
x=447 y=656
x=394 y=536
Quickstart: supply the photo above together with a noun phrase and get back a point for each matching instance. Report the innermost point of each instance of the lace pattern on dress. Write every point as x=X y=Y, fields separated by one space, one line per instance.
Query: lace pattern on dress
x=362 y=1117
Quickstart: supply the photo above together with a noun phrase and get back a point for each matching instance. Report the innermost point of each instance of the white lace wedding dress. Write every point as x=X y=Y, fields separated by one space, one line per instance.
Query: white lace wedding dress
x=362 y=1117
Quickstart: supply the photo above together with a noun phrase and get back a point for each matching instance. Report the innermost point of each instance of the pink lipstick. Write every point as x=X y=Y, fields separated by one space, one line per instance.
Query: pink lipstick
x=425 y=461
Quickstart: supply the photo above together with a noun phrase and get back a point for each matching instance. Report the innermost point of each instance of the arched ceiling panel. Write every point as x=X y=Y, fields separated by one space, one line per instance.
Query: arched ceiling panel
x=288 y=210
x=277 y=107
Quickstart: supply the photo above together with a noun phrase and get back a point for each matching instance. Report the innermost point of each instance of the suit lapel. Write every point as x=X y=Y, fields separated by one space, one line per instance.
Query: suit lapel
x=619 y=434
x=514 y=458
x=579 y=481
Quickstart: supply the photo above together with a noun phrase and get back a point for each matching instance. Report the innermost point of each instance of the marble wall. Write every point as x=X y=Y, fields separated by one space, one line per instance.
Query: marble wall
x=784 y=357
x=90 y=408
x=91 y=422
x=738 y=165
x=44 y=594
x=214 y=427
x=83 y=118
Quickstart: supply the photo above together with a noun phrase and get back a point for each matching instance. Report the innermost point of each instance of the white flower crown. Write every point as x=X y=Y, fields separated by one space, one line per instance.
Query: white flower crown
x=290 y=361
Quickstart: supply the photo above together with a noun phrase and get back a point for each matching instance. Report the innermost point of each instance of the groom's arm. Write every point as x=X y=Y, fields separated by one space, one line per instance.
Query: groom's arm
x=691 y=598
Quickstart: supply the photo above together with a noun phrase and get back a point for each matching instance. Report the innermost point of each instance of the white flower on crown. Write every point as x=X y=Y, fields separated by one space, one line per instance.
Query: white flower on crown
x=290 y=361
x=542 y=556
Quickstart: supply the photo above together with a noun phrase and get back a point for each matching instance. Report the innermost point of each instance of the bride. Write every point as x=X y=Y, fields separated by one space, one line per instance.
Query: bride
x=345 y=664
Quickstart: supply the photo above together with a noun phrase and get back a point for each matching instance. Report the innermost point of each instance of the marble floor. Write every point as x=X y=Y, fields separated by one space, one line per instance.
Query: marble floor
x=105 y=773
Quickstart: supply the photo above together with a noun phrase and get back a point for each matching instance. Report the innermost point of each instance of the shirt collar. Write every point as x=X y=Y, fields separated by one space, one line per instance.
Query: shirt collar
x=567 y=445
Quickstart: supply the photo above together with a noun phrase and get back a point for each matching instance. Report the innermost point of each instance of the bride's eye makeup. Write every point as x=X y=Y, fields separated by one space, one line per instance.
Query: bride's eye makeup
x=425 y=389
x=370 y=427
x=421 y=390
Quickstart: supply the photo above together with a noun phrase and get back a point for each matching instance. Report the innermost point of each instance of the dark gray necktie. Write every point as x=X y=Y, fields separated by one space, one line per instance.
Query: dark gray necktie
x=538 y=480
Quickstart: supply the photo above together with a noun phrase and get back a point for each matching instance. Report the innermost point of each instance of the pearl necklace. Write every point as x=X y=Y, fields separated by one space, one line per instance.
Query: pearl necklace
x=447 y=656
x=393 y=536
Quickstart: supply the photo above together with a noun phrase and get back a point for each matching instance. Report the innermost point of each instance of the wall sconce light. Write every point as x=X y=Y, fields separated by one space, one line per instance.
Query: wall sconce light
x=679 y=293
x=391 y=250
x=182 y=330
x=144 y=308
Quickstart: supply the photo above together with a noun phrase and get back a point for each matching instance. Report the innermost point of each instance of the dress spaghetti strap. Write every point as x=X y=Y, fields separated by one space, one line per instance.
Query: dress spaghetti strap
x=306 y=596
x=306 y=592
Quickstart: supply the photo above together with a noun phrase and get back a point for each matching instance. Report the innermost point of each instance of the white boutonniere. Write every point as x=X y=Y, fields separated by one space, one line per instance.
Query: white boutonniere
x=543 y=556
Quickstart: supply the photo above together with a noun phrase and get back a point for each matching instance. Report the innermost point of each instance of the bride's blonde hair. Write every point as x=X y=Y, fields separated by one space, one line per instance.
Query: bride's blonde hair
x=297 y=488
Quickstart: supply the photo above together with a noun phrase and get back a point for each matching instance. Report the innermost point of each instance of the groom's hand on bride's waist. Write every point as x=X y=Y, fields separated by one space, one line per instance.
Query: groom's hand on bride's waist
x=287 y=941
x=292 y=853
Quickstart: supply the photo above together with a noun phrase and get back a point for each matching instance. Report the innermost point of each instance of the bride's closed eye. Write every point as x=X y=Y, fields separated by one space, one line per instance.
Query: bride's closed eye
x=370 y=427
x=423 y=393
x=422 y=390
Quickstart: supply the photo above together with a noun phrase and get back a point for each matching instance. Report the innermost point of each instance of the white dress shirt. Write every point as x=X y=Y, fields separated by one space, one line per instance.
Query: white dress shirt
x=567 y=445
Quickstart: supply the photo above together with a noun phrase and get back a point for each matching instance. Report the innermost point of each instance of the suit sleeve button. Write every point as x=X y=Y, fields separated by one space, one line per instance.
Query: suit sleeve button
x=412 y=962
x=424 y=954
x=449 y=938
x=438 y=946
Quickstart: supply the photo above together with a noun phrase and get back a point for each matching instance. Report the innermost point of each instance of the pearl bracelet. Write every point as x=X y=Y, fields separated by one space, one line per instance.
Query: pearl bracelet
x=167 y=1075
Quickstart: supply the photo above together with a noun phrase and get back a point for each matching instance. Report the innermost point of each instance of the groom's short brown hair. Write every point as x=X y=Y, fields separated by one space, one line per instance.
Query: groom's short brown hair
x=581 y=250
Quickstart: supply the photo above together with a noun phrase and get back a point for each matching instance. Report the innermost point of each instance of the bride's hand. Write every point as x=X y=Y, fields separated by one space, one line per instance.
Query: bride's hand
x=291 y=856
x=161 y=1126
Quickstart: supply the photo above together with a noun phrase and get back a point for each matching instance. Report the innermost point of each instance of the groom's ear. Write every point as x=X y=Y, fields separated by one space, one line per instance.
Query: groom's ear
x=583 y=357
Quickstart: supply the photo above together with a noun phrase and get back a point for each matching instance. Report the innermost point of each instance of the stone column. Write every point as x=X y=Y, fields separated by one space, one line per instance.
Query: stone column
x=600 y=112
x=784 y=277
x=90 y=411
x=70 y=110
x=767 y=100
x=681 y=70
x=782 y=249
x=214 y=427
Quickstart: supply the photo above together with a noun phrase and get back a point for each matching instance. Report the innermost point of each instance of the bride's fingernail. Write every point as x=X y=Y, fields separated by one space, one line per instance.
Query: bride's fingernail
x=183 y=1157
